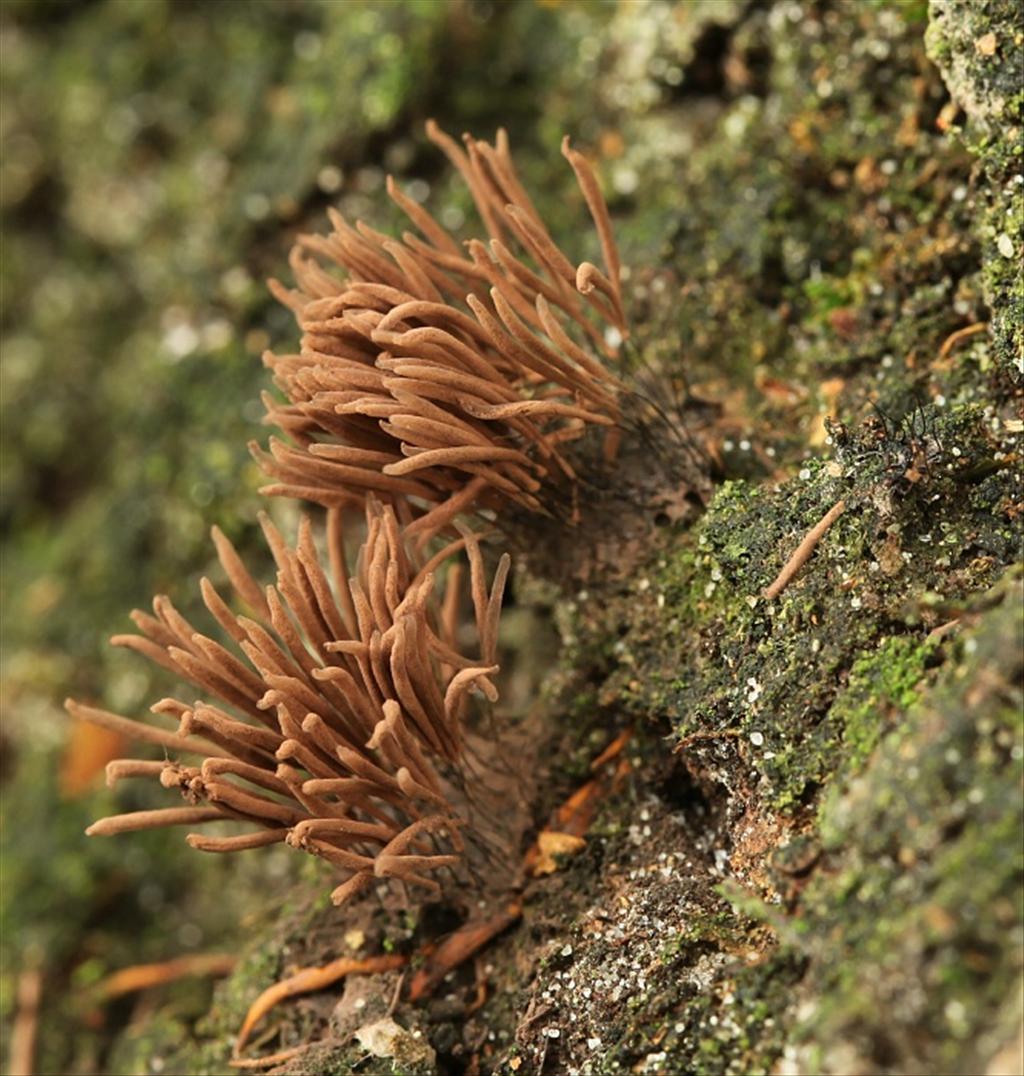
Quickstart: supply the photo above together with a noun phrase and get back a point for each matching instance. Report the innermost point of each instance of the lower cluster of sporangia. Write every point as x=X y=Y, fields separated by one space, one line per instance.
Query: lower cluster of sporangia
x=433 y=385
x=333 y=713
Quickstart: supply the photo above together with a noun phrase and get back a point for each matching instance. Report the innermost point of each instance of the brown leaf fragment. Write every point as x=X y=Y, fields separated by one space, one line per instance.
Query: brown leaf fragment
x=458 y=947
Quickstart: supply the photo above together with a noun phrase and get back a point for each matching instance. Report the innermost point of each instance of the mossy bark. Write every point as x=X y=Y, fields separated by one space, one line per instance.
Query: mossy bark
x=812 y=861
x=813 y=865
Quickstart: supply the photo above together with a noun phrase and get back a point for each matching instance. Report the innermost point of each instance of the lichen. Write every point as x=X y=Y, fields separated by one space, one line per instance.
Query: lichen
x=977 y=48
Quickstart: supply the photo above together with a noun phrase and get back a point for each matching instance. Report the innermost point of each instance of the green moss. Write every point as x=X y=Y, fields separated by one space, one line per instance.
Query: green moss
x=977 y=48
x=151 y=1047
x=825 y=294
x=933 y=820
x=694 y=643
x=881 y=684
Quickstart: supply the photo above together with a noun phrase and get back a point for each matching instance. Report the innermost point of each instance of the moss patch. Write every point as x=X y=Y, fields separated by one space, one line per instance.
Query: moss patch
x=977 y=47
x=912 y=921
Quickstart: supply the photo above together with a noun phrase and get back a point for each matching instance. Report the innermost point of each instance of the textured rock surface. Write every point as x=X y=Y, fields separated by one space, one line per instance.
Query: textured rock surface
x=977 y=47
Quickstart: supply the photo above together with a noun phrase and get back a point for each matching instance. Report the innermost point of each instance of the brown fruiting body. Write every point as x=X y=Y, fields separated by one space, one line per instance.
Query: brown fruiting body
x=424 y=366
x=432 y=382
x=334 y=725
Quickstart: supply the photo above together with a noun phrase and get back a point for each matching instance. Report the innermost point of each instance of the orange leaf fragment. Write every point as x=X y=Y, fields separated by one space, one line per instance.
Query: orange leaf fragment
x=576 y=814
x=553 y=843
x=88 y=750
x=613 y=750
x=306 y=981
x=573 y=818
x=143 y=976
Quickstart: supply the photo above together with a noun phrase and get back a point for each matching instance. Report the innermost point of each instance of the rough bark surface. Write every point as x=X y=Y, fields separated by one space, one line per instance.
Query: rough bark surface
x=812 y=862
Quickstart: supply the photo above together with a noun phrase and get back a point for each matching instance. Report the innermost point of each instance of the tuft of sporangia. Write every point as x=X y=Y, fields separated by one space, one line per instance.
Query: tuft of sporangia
x=333 y=718
x=339 y=714
x=448 y=376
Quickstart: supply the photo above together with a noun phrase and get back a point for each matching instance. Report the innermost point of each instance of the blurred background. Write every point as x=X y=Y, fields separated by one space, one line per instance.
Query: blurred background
x=158 y=157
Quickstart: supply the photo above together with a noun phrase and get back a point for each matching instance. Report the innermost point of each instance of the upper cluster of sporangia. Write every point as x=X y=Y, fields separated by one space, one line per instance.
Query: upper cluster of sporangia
x=449 y=375
x=430 y=381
